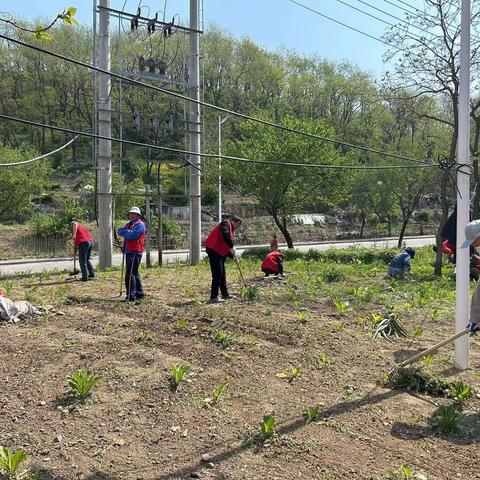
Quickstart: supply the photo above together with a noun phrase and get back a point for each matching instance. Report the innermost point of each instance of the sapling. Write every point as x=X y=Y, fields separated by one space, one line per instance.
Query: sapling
x=311 y=415
x=461 y=391
x=302 y=316
x=10 y=461
x=217 y=394
x=178 y=372
x=81 y=383
x=341 y=306
x=292 y=374
x=222 y=339
x=446 y=419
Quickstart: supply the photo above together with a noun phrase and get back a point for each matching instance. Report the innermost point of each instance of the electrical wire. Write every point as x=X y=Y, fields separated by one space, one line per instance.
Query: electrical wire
x=45 y=155
x=215 y=107
x=216 y=155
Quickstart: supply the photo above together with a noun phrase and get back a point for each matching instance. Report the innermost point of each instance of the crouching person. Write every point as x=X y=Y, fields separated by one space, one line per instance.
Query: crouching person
x=273 y=263
x=134 y=233
x=400 y=265
x=83 y=243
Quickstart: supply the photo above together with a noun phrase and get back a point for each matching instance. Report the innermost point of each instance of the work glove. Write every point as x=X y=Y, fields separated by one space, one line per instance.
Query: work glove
x=473 y=327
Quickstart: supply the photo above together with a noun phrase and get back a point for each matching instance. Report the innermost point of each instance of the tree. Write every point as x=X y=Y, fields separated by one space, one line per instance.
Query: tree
x=284 y=190
x=22 y=184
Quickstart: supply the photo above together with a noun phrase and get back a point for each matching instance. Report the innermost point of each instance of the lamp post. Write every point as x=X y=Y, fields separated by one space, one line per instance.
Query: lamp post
x=220 y=123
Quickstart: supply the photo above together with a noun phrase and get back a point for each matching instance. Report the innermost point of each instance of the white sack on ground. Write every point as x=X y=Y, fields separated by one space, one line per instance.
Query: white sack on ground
x=14 y=311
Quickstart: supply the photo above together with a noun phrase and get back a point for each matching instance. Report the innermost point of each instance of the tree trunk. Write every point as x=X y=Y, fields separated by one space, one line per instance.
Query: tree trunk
x=282 y=226
x=362 y=226
x=405 y=221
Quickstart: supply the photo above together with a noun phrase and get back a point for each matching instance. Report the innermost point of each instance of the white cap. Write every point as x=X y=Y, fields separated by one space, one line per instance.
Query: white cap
x=135 y=210
x=472 y=232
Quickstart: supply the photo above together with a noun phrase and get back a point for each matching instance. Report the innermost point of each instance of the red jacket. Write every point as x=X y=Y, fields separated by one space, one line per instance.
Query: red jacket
x=217 y=243
x=271 y=261
x=82 y=235
x=137 y=244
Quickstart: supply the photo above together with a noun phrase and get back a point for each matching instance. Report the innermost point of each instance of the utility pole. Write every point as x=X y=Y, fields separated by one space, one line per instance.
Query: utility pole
x=104 y=164
x=463 y=191
x=159 y=215
x=195 y=135
x=220 y=123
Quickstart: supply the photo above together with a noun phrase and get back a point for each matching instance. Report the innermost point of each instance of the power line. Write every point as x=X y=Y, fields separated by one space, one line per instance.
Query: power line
x=216 y=155
x=15 y=164
x=215 y=107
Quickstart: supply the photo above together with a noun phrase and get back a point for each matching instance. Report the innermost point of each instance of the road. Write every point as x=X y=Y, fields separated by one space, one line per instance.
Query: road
x=29 y=266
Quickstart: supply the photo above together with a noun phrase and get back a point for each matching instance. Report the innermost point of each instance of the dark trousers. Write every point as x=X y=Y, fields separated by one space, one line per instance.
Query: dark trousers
x=219 y=279
x=133 y=283
x=84 y=252
x=268 y=272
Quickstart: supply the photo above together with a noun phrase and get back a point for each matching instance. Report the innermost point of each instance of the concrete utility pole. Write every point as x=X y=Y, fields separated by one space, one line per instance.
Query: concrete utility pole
x=195 y=138
x=104 y=164
x=463 y=191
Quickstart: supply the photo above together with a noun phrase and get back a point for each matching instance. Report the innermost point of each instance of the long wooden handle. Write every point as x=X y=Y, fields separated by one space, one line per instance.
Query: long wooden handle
x=435 y=347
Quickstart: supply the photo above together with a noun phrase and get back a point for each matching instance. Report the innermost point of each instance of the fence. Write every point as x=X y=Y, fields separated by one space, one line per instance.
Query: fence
x=44 y=245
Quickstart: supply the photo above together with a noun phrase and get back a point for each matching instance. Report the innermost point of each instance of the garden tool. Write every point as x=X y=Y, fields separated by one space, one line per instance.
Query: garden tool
x=75 y=271
x=237 y=261
x=123 y=267
x=432 y=349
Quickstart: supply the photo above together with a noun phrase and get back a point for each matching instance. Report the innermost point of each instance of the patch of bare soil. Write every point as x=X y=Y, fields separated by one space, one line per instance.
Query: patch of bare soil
x=135 y=426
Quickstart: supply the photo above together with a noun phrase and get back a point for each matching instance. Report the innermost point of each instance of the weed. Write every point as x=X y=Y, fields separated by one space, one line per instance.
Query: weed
x=389 y=328
x=250 y=293
x=302 y=316
x=428 y=359
x=222 y=339
x=311 y=415
x=81 y=383
x=404 y=472
x=8 y=287
x=10 y=461
x=337 y=326
x=324 y=359
x=417 y=331
x=461 y=391
x=267 y=430
x=412 y=378
x=62 y=292
x=144 y=337
x=332 y=274
x=181 y=324
x=446 y=419
x=291 y=375
x=177 y=374
x=341 y=306
x=268 y=312
x=217 y=394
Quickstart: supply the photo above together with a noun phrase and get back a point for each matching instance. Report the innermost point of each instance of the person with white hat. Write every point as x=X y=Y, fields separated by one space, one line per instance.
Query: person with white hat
x=134 y=233
x=472 y=238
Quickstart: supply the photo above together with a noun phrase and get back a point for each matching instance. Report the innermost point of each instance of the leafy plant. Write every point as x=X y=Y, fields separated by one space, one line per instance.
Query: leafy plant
x=428 y=359
x=332 y=274
x=412 y=378
x=10 y=461
x=446 y=419
x=302 y=316
x=404 y=472
x=311 y=414
x=81 y=383
x=389 y=328
x=8 y=287
x=268 y=425
x=341 y=306
x=292 y=374
x=250 y=293
x=217 y=394
x=461 y=391
x=222 y=339
x=178 y=372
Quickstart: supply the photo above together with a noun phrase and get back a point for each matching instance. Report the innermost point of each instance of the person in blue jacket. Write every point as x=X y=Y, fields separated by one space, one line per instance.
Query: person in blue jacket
x=134 y=233
x=400 y=265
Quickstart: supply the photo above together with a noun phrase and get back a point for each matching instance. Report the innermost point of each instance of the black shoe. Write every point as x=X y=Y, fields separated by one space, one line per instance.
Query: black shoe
x=84 y=279
x=139 y=297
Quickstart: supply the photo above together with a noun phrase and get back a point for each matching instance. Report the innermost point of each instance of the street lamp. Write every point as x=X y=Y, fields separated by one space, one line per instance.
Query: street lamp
x=220 y=122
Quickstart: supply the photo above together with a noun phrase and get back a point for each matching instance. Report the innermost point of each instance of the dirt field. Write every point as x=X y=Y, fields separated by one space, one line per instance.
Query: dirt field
x=135 y=426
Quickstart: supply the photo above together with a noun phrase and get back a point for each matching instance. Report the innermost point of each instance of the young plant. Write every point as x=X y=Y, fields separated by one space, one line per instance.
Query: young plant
x=268 y=425
x=217 y=394
x=8 y=287
x=341 y=306
x=417 y=331
x=81 y=383
x=311 y=415
x=446 y=419
x=177 y=374
x=10 y=461
x=302 y=316
x=250 y=293
x=405 y=473
x=291 y=375
x=389 y=328
x=428 y=359
x=461 y=391
x=222 y=339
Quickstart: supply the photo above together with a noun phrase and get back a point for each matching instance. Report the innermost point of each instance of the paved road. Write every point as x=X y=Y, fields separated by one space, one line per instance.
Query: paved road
x=24 y=266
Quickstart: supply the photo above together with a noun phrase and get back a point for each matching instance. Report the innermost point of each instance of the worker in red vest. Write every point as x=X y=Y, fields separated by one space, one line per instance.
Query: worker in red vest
x=83 y=243
x=219 y=246
x=273 y=263
x=134 y=233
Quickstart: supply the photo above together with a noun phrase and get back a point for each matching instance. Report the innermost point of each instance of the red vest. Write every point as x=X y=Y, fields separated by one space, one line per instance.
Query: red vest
x=82 y=235
x=137 y=244
x=216 y=242
x=271 y=261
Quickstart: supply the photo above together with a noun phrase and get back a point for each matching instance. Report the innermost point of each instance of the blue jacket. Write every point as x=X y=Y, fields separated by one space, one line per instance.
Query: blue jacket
x=136 y=232
x=401 y=261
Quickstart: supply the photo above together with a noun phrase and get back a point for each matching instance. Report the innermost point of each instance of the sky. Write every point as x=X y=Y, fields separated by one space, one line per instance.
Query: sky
x=273 y=24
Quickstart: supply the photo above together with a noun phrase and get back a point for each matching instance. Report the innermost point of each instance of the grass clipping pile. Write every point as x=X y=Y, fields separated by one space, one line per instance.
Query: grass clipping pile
x=278 y=383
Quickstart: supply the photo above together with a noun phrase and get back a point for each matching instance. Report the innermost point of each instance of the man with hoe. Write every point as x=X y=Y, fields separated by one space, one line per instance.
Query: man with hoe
x=134 y=233
x=82 y=243
x=219 y=246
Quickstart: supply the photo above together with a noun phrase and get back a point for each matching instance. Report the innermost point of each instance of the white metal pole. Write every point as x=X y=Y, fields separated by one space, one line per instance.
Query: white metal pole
x=463 y=192
x=219 y=169
x=195 y=133
x=104 y=146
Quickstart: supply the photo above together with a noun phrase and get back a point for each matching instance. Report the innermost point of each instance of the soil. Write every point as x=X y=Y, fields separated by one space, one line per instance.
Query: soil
x=134 y=426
